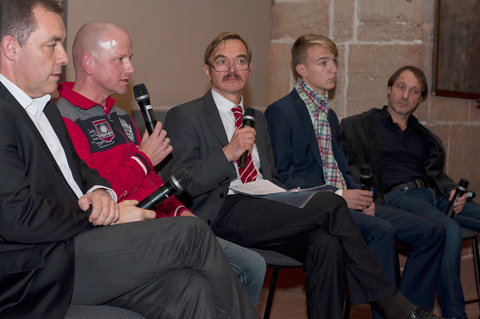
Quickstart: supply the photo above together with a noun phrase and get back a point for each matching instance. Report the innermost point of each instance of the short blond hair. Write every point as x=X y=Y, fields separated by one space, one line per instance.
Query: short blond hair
x=304 y=42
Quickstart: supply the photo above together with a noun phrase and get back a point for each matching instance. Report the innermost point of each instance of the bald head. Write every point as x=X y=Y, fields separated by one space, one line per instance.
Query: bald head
x=93 y=38
x=102 y=55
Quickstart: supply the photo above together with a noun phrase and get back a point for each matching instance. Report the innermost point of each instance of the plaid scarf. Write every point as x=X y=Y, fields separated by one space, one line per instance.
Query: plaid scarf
x=318 y=106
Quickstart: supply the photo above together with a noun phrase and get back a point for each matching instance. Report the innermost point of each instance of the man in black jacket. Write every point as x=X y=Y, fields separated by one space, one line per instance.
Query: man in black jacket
x=407 y=161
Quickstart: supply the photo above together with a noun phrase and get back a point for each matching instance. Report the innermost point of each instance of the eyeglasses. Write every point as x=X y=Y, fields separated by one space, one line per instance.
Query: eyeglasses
x=238 y=66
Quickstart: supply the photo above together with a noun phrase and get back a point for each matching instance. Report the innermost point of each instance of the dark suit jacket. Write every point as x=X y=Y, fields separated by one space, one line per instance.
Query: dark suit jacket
x=297 y=157
x=39 y=215
x=197 y=135
x=360 y=143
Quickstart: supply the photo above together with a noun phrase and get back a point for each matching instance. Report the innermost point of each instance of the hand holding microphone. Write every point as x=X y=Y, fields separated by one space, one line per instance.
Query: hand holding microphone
x=156 y=146
x=176 y=183
x=366 y=175
x=242 y=139
x=461 y=189
x=248 y=120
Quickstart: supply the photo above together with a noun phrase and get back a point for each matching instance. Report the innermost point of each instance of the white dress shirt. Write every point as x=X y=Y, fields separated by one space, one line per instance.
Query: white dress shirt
x=224 y=107
x=34 y=109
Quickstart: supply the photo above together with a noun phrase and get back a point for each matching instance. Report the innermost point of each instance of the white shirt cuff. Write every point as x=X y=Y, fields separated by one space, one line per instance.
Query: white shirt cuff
x=110 y=191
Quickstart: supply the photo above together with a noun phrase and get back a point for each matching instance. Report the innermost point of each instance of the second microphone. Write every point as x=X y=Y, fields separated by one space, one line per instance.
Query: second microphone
x=248 y=120
x=176 y=183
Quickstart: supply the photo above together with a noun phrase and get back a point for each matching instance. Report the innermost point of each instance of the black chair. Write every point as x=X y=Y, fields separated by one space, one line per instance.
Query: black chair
x=471 y=234
x=276 y=261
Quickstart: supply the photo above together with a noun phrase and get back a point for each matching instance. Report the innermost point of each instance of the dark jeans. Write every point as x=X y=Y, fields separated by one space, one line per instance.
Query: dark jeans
x=431 y=204
x=322 y=235
x=425 y=240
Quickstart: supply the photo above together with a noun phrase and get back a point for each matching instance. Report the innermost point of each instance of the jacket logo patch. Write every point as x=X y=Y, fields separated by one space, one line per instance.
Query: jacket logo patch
x=104 y=131
x=128 y=130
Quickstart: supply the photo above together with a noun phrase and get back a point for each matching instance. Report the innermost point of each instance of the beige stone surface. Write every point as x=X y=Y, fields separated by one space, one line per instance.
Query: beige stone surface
x=369 y=68
x=381 y=20
x=474 y=111
x=343 y=19
x=443 y=132
x=280 y=71
x=428 y=23
x=462 y=147
x=449 y=109
x=422 y=113
x=463 y=153
x=294 y=18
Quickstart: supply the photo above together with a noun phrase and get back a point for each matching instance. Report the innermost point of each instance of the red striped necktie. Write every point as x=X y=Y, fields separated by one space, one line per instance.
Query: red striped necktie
x=247 y=173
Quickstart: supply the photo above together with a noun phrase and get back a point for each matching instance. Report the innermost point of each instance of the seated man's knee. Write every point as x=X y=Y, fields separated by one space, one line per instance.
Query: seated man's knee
x=195 y=224
x=256 y=267
x=324 y=244
x=435 y=231
x=248 y=265
x=453 y=234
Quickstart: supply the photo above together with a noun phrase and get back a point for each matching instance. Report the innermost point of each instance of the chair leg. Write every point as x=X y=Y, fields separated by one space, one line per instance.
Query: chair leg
x=476 y=259
x=271 y=291
x=346 y=312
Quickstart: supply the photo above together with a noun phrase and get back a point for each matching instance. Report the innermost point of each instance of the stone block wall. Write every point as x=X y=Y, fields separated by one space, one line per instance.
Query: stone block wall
x=375 y=38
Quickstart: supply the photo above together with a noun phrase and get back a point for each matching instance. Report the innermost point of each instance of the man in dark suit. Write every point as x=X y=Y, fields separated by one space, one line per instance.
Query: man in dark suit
x=207 y=140
x=56 y=244
x=308 y=152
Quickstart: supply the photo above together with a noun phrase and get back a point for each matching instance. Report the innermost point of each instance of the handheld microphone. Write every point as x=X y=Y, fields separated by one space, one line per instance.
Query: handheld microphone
x=176 y=183
x=248 y=120
x=366 y=179
x=366 y=176
x=143 y=100
x=461 y=189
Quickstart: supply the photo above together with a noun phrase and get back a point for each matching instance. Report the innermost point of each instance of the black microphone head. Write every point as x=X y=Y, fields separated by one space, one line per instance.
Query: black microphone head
x=250 y=114
x=180 y=180
x=140 y=91
x=366 y=170
x=249 y=118
x=463 y=183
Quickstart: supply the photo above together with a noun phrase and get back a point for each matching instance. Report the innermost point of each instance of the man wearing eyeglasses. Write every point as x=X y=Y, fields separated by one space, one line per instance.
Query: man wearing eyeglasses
x=207 y=140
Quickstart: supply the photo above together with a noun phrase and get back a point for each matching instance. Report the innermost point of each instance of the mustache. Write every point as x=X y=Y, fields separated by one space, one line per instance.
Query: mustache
x=232 y=76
